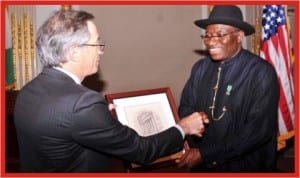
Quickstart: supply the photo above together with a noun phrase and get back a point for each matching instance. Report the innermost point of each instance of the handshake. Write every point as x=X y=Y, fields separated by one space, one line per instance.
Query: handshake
x=194 y=124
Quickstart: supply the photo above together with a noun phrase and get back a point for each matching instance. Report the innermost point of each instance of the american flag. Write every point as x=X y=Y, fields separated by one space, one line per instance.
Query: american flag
x=275 y=48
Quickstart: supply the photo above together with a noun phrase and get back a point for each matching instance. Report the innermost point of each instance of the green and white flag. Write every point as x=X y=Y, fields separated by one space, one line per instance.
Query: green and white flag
x=9 y=81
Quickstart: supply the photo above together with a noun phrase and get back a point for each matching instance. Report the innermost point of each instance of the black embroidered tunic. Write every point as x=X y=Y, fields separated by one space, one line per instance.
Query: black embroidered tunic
x=245 y=137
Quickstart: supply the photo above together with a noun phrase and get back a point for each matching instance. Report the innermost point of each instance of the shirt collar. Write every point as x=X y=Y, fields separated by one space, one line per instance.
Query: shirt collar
x=73 y=76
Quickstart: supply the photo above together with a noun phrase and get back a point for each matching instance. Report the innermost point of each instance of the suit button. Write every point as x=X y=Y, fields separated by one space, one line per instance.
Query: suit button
x=214 y=163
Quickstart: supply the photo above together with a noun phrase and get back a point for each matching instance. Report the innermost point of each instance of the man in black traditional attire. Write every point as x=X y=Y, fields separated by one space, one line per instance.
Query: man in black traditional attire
x=239 y=92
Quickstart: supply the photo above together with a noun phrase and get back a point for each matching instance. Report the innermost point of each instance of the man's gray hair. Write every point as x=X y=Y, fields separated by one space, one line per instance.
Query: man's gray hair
x=61 y=31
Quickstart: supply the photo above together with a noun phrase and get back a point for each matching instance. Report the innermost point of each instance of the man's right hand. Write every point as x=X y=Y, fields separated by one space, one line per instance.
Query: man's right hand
x=194 y=124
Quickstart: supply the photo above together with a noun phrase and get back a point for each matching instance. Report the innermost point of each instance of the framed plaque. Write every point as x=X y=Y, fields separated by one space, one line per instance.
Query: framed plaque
x=147 y=112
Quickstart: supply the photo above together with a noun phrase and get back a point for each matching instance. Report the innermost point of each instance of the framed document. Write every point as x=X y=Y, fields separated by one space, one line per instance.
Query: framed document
x=147 y=112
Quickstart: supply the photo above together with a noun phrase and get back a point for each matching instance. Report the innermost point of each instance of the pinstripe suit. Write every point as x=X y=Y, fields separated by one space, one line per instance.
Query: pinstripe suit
x=65 y=127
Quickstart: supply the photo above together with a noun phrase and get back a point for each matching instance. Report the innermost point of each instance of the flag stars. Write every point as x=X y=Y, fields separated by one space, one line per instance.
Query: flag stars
x=279 y=20
x=273 y=16
x=267 y=27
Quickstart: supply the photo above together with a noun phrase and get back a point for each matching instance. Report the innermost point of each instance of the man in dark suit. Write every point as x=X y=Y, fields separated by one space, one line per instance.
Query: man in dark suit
x=63 y=126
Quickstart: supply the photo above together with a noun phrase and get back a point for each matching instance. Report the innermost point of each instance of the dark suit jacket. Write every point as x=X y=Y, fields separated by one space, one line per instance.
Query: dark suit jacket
x=66 y=127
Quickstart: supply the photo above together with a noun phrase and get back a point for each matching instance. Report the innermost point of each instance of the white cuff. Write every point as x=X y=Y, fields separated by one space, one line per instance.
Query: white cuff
x=180 y=130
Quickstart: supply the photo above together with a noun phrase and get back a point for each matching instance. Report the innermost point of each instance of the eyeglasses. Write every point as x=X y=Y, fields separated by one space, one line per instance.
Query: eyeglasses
x=218 y=36
x=100 y=46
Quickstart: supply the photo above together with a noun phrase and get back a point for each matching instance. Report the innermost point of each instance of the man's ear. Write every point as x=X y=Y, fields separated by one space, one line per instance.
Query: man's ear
x=241 y=36
x=73 y=54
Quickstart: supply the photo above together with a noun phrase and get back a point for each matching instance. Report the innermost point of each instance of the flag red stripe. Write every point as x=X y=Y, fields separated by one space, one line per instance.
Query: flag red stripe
x=285 y=110
x=284 y=45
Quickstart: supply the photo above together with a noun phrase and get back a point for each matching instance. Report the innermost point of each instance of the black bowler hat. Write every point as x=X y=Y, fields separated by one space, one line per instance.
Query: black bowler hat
x=228 y=15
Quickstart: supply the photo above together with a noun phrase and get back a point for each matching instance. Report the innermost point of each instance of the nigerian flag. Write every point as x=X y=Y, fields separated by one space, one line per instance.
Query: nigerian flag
x=9 y=81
